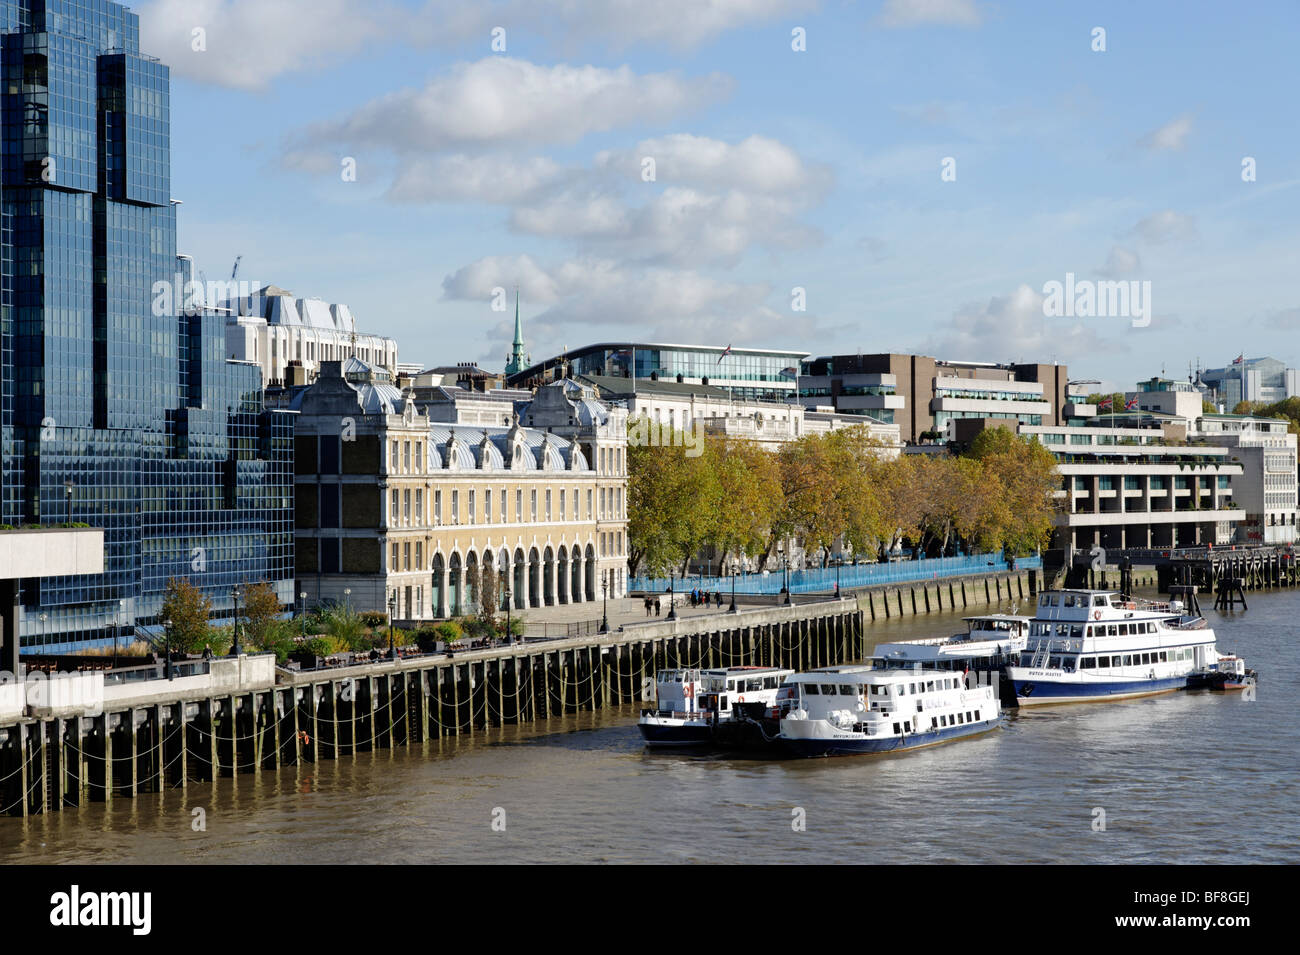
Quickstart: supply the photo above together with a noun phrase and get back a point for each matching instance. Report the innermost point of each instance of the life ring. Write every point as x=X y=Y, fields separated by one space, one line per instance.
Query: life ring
x=740 y=699
x=690 y=691
x=1096 y=615
x=304 y=738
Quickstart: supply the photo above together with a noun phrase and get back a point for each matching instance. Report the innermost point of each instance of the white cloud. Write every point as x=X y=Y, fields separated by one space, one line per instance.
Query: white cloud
x=502 y=102
x=464 y=178
x=248 y=43
x=477 y=280
x=1172 y=135
x=668 y=304
x=909 y=13
x=678 y=226
x=1120 y=262
x=1011 y=328
x=755 y=164
x=1165 y=226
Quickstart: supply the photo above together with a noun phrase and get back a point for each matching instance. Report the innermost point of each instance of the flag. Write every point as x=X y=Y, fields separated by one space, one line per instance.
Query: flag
x=725 y=352
x=1131 y=403
x=1239 y=359
x=1104 y=403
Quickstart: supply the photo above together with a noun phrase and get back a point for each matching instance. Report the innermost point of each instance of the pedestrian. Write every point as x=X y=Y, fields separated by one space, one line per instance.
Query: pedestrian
x=717 y=595
x=657 y=606
x=647 y=606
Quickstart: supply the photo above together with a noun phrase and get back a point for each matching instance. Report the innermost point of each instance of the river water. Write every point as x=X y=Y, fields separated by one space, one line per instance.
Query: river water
x=1185 y=777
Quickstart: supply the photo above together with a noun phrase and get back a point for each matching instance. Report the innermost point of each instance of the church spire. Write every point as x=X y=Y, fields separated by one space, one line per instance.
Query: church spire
x=518 y=359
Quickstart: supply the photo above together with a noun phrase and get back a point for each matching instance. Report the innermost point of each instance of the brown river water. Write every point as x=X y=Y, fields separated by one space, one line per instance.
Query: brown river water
x=1184 y=777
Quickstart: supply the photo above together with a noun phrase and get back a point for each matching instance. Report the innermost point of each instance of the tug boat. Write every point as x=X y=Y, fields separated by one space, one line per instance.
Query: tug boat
x=856 y=710
x=1092 y=645
x=702 y=707
x=1227 y=672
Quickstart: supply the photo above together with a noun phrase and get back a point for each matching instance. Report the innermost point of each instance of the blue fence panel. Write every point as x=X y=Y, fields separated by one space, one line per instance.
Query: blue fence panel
x=823 y=579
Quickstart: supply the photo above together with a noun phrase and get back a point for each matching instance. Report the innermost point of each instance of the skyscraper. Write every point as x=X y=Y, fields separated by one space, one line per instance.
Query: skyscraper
x=116 y=407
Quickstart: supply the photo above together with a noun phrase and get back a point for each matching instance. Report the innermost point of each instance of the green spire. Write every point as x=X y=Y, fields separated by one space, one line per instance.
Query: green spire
x=518 y=360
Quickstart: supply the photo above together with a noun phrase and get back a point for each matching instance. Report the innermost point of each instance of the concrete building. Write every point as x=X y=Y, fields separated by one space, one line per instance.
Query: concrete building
x=680 y=405
x=1264 y=447
x=396 y=509
x=924 y=395
x=1141 y=487
x=289 y=338
x=1266 y=487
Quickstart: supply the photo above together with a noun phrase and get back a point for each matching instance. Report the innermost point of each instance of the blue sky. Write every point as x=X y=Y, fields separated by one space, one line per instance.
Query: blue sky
x=774 y=169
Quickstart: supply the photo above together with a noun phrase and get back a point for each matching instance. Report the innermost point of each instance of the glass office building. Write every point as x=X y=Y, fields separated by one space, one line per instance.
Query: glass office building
x=117 y=409
x=749 y=373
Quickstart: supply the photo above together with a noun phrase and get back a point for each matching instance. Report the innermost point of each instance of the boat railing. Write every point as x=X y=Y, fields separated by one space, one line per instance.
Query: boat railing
x=679 y=714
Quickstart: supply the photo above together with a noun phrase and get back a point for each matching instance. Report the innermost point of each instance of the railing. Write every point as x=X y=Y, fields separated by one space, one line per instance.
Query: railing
x=847 y=576
x=156 y=671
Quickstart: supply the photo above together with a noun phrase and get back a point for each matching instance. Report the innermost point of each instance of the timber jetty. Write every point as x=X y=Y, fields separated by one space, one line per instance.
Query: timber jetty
x=82 y=741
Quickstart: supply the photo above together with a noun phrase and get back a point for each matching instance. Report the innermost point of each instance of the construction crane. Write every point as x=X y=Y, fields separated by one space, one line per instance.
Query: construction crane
x=235 y=270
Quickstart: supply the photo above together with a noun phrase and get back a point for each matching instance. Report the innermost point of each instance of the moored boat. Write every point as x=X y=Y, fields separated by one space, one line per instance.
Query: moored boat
x=857 y=710
x=1093 y=645
x=696 y=707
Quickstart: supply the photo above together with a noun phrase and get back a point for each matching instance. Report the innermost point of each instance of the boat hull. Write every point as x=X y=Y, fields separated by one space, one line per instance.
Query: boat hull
x=866 y=746
x=680 y=734
x=1047 y=692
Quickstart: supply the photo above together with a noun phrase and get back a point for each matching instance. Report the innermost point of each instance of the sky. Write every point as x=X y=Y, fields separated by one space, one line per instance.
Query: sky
x=825 y=176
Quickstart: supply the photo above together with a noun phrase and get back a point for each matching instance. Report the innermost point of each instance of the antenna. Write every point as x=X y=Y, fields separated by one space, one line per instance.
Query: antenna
x=235 y=270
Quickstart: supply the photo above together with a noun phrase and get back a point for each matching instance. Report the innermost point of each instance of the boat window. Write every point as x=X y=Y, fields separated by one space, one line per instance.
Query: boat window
x=810 y=689
x=1056 y=600
x=930 y=686
x=828 y=689
x=907 y=726
x=1128 y=660
x=769 y=683
x=1112 y=630
x=1043 y=601
x=846 y=689
x=1088 y=663
x=1076 y=630
x=1163 y=658
x=1068 y=663
x=911 y=688
x=752 y=685
x=731 y=685
x=902 y=689
x=1099 y=601
x=1054 y=663
x=1069 y=600
x=723 y=705
x=1123 y=630
x=1026 y=659
x=896 y=729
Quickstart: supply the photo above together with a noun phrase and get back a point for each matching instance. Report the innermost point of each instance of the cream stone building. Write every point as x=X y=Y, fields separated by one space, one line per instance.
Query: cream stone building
x=394 y=510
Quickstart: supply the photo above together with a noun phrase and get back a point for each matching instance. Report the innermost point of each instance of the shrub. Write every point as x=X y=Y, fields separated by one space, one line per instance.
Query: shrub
x=374 y=618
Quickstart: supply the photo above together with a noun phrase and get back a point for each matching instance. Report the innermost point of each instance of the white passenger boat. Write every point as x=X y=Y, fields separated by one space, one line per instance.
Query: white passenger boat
x=854 y=710
x=990 y=641
x=1090 y=645
x=692 y=705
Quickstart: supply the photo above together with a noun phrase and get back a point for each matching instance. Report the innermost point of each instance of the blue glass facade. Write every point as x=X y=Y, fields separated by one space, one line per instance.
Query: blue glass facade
x=116 y=407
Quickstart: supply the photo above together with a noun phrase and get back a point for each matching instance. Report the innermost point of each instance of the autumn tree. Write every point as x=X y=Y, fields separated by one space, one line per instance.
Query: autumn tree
x=188 y=609
x=672 y=498
x=748 y=497
x=1028 y=480
x=260 y=609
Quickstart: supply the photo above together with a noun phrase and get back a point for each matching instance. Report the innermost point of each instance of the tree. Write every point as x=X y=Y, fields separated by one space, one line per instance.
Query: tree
x=260 y=610
x=748 y=497
x=672 y=500
x=1029 y=482
x=188 y=609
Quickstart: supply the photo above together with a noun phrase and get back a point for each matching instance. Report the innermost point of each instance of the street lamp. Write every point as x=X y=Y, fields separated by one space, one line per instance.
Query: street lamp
x=672 y=606
x=785 y=567
x=392 y=612
x=347 y=598
x=167 y=648
x=234 y=647
x=735 y=569
x=505 y=590
x=604 y=613
x=68 y=487
x=302 y=611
